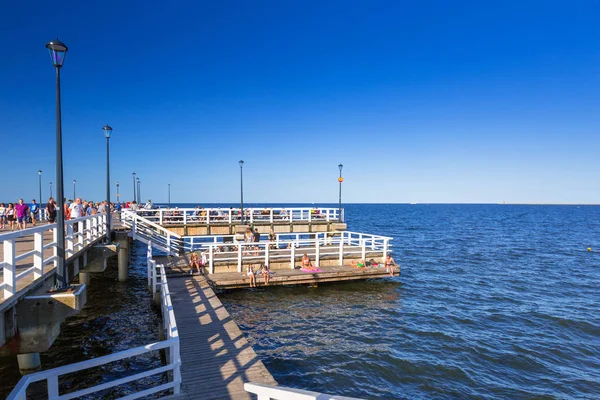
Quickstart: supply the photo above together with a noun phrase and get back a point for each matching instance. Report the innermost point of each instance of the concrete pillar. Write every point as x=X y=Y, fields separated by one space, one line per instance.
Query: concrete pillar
x=84 y=277
x=123 y=261
x=29 y=362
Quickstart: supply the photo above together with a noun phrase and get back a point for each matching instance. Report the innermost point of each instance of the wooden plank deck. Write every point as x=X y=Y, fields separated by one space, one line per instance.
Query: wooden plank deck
x=216 y=357
x=179 y=266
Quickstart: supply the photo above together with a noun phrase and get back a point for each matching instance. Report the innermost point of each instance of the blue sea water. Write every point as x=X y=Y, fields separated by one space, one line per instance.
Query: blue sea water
x=494 y=301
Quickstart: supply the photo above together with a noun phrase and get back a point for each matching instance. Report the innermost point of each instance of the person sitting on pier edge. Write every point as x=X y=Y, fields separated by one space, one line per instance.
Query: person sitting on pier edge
x=250 y=274
x=194 y=263
x=306 y=263
x=266 y=274
x=389 y=264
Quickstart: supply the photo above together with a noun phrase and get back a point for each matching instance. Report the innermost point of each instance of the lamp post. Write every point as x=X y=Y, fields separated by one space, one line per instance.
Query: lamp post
x=58 y=51
x=242 y=189
x=74 y=191
x=50 y=189
x=139 y=192
x=340 y=180
x=134 y=196
x=118 y=192
x=40 y=184
x=107 y=131
x=169 y=195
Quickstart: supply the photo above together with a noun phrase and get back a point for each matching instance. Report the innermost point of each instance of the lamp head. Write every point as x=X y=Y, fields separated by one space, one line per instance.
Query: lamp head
x=107 y=131
x=58 y=51
x=39 y=172
x=340 y=167
x=241 y=163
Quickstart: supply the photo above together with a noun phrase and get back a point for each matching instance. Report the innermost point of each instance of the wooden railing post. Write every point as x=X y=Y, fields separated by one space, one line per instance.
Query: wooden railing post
x=38 y=255
x=240 y=244
x=293 y=256
x=55 y=247
x=271 y=215
x=317 y=250
x=160 y=216
x=10 y=276
x=364 y=248
x=267 y=253
x=184 y=217
x=341 y=260
x=385 y=249
x=211 y=261
x=69 y=238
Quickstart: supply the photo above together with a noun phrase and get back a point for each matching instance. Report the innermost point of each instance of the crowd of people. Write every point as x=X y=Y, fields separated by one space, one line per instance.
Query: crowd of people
x=16 y=216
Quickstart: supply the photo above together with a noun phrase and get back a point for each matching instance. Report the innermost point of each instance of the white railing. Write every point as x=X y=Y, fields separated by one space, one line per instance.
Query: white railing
x=171 y=344
x=79 y=234
x=268 y=392
x=288 y=247
x=147 y=232
x=215 y=216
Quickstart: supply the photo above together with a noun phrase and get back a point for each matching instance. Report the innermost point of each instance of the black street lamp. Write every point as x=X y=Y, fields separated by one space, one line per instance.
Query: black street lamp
x=74 y=192
x=242 y=189
x=107 y=131
x=139 y=192
x=58 y=52
x=134 y=195
x=50 y=189
x=169 y=195
x=40 y=183
x=118 y=192
x=340 y=180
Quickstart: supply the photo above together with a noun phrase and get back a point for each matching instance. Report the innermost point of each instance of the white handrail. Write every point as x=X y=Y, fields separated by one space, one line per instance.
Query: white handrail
x=148 y=232
x=268 y=392
x=227 y=248
x=186 y=216
x=171 y=343
x=73 y=244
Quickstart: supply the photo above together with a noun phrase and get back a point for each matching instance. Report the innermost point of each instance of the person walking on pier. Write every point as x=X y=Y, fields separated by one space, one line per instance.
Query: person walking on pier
x=22 y=211
x=33 y=209
x=2 y=216
x=51 y=210
x=10 y=216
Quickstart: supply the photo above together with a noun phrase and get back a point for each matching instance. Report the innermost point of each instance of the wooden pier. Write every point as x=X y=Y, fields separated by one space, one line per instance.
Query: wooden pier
x=216 y=357
x=179 y=266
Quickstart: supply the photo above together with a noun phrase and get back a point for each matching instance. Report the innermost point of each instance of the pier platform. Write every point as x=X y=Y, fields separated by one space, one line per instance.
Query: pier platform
x=216 y=357
x=179 y=267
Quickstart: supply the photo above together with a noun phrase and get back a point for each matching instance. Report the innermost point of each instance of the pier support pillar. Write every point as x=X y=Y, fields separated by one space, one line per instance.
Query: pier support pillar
x=123 y=256
x=29 y=362
x=84 y=277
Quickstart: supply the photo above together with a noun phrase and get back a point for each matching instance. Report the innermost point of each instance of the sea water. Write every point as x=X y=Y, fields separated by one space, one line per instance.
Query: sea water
x=494 y=301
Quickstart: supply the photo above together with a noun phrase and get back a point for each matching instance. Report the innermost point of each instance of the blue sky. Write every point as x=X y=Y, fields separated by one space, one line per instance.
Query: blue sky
x=421 y=101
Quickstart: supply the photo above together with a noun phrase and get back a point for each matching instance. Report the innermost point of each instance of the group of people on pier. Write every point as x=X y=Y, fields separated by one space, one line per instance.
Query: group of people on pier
x=17 y=215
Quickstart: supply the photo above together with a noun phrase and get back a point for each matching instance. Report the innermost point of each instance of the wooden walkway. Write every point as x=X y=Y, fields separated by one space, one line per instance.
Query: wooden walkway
x=216 y=357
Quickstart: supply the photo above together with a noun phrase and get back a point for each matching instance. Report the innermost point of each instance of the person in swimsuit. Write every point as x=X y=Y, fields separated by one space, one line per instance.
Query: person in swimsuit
x=194 y=263
x=250 y=273
x=360 y=264
x=306 y=263
x=389 y=264
x=266 y=274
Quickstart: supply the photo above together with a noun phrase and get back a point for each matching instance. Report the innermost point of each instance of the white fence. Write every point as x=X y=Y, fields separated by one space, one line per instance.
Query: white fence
x=171 y=345
x=185 y=216
x=268 y=392
x=287 y=247
x=80 y=233
x=147 y=232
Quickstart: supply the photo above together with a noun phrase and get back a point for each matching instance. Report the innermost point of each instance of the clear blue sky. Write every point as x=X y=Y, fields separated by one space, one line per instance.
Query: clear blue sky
x=421 y=101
